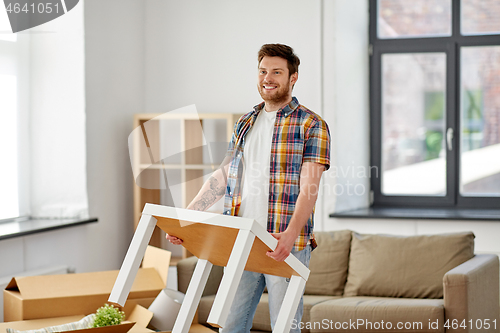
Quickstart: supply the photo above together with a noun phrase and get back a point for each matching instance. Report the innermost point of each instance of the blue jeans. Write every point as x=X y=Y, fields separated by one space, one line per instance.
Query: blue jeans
x=248 y=295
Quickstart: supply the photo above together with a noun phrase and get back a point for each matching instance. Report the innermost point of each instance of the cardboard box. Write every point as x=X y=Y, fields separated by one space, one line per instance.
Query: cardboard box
x=145 y=302
x=47 y=296
x=42 y=323
x=199 y=328
x=136 y=320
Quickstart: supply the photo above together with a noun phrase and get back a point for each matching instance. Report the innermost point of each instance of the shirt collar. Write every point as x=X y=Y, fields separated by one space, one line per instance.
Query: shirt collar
x=286 y=110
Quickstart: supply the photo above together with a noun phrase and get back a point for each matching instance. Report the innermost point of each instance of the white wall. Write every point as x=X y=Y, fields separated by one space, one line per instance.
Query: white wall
x=114 y=71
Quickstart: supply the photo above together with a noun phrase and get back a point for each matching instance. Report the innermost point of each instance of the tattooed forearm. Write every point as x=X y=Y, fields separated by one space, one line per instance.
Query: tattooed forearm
x=210 y=196
x=216 y=188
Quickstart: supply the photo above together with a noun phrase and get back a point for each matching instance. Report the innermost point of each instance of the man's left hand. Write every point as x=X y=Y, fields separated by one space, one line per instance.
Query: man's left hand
x=284 y=247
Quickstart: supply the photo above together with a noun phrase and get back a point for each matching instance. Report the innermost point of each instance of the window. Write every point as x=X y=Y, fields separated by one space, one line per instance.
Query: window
x=434 y=101
x=13 y=105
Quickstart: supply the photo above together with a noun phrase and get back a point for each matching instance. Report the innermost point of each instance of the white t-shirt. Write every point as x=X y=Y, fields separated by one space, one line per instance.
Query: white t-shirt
x=256 y=159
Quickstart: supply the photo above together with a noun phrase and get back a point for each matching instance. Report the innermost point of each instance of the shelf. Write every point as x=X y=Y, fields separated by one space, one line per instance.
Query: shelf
x=187 y=132
x=175 y=260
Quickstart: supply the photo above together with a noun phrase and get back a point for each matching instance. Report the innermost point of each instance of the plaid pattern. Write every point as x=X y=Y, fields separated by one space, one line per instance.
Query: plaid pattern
x=299 y=136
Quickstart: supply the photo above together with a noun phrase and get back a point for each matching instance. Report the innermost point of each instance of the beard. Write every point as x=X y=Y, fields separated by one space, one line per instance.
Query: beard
x=277 y=96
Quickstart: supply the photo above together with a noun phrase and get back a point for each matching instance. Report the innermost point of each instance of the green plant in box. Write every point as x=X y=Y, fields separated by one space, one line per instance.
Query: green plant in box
x=108 y=315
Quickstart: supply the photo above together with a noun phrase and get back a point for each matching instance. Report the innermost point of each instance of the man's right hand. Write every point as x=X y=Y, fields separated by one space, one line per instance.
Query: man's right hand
x=174 y=240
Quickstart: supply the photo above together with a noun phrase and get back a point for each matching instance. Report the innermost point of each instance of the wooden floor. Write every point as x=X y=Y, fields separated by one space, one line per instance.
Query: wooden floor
x=198 y=328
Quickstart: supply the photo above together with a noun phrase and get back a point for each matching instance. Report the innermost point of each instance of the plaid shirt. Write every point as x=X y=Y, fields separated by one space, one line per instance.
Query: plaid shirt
x=299 y=136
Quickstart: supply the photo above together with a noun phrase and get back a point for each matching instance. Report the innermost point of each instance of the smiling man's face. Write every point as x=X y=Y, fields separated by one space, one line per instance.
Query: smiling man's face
x=274 y=82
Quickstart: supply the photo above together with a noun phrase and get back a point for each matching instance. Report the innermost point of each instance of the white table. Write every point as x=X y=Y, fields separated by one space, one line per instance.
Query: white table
x=234 y=242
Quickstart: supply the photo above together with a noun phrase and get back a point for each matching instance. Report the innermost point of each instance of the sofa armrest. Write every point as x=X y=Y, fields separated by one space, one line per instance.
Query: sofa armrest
x=471 y=292
x=185 y=269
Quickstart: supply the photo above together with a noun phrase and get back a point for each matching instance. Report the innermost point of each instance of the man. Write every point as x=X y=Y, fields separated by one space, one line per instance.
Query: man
x=274 y=164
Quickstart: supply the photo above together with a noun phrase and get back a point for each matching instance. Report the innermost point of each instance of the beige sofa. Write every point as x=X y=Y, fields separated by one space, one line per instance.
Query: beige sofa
x=383 y=283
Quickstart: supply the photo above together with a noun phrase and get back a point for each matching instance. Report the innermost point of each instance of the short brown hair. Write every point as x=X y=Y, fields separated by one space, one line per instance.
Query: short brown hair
x=282 y=51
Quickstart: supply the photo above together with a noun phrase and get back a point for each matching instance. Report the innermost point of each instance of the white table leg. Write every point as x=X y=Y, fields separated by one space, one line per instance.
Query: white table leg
x=231 y=278
x=132 y=260
x=290 y=304
x=192 y=298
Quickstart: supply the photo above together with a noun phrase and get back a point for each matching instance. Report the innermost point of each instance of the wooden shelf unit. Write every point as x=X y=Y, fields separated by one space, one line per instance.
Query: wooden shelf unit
x=191 y=167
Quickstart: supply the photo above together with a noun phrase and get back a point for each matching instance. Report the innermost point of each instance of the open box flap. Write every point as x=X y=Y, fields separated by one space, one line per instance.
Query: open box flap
x=137 y=313
x=159 y=259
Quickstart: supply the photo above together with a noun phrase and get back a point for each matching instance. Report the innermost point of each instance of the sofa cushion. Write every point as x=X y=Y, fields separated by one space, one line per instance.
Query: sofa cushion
x=413 y=267
x=382 y=313
x=262 y=320
x=329 y=263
